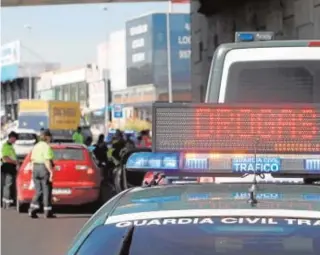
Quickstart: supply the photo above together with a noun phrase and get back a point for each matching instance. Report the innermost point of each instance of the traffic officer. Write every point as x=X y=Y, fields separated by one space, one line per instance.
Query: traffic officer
x=9 y=170
x=77 y=137
x=41 y=158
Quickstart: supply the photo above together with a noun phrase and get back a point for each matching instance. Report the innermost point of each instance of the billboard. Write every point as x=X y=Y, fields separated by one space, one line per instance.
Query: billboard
x=10 y=58
x=180 y=45
x=139 y=51
x=147 y=51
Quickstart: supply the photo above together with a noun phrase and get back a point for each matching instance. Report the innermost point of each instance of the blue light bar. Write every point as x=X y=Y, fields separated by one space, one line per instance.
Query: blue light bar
x=254 y=36
x=224 y=165
x=153 y=161
x=245 y=37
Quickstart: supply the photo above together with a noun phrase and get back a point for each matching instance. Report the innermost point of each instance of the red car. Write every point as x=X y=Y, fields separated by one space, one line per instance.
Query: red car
x=77 y=179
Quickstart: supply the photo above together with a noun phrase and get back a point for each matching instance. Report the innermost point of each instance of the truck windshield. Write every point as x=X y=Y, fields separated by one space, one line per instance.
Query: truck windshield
x=273 y=82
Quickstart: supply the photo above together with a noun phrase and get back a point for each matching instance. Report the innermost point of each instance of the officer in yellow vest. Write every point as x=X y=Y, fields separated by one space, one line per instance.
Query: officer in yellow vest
x=41 y=158
x=77 y=137
x=9 y=170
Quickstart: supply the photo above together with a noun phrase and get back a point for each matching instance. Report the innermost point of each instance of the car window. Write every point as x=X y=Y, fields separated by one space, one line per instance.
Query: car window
x=69 y=154
x=209 y=236
x=273 y=82
x=27 y=137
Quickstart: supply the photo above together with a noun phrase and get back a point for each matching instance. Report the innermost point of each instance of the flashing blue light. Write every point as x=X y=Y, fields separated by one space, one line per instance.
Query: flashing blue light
x=153 y=161
x=245 y=37
x=254 y=36
x=312 y=165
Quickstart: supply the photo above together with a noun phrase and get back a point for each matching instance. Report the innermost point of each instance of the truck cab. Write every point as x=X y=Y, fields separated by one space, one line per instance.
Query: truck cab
x=257 y=69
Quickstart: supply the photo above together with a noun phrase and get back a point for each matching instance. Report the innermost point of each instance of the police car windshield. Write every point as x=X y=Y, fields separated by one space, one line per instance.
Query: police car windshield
x=209 y=236
x=273 y=82
x=223 y=196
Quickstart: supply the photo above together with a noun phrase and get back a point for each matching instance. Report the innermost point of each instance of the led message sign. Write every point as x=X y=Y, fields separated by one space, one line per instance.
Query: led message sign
x=237 y=128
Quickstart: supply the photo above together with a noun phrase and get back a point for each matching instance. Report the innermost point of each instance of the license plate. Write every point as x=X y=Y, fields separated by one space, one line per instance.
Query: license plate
x=61 y=191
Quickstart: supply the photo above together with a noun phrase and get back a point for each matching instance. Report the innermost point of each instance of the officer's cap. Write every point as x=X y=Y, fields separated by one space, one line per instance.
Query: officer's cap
x=13 y=134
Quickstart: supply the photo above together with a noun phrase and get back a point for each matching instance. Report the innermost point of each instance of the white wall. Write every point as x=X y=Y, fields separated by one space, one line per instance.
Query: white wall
x=102 y=61
x=111 y=59
x=117 y=60
x=69 y=76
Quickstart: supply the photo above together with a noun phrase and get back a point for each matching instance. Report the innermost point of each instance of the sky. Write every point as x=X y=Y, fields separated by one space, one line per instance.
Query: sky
x=69 y=34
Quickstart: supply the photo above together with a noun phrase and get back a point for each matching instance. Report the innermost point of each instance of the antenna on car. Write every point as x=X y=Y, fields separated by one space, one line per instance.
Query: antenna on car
x=254 y=187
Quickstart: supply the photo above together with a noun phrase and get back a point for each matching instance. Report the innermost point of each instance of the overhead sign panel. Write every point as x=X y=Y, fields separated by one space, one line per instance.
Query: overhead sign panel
x=10 y=53
x=237 y=128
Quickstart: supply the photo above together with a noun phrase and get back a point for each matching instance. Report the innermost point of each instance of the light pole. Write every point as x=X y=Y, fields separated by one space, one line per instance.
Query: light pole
x=29 y=28
x=170 y=96
x=106 y=86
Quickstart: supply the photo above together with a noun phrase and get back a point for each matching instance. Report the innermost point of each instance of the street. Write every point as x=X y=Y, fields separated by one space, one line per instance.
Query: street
x=21 y=235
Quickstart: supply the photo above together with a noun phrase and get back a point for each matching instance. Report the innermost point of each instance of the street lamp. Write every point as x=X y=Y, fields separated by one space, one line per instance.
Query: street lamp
x=106 y=87
x=29 y=28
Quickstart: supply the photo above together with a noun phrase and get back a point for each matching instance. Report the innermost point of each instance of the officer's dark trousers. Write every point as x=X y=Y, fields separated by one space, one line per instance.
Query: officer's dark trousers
x=8 y=183
x=43 y=188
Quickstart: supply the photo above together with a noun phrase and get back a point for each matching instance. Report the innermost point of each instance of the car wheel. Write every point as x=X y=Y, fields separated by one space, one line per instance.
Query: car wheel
x=21 y=207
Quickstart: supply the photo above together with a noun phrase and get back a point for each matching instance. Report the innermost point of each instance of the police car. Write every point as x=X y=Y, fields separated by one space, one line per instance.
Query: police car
x=228 y=218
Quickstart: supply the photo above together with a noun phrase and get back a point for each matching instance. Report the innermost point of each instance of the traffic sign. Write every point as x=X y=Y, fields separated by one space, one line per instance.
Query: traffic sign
x=117 y=111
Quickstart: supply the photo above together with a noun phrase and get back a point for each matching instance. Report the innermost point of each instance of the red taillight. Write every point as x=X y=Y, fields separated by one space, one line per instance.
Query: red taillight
x=85 y=168
x=205 y=180
x=314 y=44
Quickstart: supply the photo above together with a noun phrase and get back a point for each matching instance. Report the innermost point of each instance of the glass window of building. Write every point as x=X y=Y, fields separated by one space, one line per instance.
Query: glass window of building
x=58 y=93
x=74 y=92
x=47 y=94
x=66 y=92
x=83 y=93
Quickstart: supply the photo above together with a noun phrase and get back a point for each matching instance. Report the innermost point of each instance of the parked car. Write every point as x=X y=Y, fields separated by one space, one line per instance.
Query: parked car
x=25 y=142
x=77 y=179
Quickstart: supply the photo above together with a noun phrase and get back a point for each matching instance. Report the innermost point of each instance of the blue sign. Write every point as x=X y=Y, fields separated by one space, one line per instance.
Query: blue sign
x=117 y=111
x=260 y=165
x=180 y=46
x=312 y=165
x=9 y=72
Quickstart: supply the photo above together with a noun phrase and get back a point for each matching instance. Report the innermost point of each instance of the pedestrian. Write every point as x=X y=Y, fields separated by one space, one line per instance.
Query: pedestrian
x=88 y=141
x=9 y=170
x=42 y=175
x=77 y=137
x=101 y=150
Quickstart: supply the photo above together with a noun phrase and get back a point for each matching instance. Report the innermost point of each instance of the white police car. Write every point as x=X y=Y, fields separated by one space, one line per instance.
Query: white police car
x=228 y=218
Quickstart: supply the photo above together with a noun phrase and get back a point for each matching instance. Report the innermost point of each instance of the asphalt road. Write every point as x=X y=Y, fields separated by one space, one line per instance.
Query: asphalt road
x=21 y=235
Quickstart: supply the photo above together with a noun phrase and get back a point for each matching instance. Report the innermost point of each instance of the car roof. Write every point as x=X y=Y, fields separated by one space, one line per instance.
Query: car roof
x=218 y=196
x=68 y=145
x=25 y=130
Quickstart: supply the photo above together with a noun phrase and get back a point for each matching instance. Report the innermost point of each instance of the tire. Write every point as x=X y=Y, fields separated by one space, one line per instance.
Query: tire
x=21 y=207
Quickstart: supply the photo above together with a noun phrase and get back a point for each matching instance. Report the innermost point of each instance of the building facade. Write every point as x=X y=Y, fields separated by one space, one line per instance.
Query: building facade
x=68 y=85
x=147 y=63
x=18 y=77
x=147 y=51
